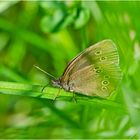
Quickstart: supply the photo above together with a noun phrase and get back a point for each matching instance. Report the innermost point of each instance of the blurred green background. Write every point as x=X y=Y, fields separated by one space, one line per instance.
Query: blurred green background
x=49 y=34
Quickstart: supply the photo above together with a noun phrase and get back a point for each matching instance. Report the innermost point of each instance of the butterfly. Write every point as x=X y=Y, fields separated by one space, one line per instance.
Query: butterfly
x=94 y=72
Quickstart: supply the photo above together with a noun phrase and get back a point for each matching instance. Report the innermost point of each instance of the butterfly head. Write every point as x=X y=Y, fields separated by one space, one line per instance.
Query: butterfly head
x=56 y=83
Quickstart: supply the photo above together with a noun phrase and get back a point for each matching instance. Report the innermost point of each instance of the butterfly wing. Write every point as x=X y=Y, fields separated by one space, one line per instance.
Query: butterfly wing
x=95 y=71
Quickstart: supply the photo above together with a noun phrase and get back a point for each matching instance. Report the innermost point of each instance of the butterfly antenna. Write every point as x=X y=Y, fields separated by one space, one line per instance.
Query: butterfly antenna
x=44 y=71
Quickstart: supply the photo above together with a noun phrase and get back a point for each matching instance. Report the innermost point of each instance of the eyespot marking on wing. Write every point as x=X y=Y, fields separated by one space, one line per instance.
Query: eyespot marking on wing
x=98 y=71
x=96 y=68
x=106 y=76
x=104 y=88
x=98 y=52
x=103 y=58
x=105 y=82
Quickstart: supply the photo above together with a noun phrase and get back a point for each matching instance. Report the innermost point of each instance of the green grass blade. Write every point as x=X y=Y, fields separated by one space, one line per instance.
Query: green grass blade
x=51 y=93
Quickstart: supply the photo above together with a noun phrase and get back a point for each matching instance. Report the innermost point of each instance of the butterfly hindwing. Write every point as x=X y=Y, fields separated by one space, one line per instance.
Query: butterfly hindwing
x=95 y=71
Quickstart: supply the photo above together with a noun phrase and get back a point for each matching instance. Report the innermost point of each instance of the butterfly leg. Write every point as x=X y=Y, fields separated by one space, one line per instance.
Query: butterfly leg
x=74 y=97
x=57 y=94
x=42 y=90
x=44 y=87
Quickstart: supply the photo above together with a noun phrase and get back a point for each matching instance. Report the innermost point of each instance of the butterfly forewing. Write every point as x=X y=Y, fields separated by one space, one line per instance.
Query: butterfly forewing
x=95 y=71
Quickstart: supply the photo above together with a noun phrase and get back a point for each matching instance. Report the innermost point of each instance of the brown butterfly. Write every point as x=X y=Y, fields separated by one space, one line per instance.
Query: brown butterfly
x=94 y=72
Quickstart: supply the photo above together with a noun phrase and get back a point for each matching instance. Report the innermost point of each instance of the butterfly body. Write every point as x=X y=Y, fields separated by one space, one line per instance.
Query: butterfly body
x=65 y=86
x=94 y=72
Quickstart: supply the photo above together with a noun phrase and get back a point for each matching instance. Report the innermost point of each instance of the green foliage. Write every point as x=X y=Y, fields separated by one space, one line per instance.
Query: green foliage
x=59 y=15
x=49 y=34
